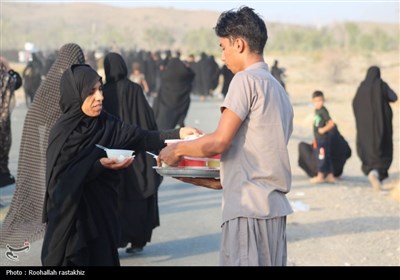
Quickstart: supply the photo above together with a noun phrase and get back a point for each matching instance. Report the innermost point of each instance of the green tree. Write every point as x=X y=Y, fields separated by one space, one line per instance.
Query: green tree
x=201 y=40
x=352 y=35
x=158 y=38
x=8 y=36
x=383 y=42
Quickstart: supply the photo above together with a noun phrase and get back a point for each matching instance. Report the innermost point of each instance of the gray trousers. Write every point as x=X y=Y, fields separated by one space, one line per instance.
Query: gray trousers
x=254 y=242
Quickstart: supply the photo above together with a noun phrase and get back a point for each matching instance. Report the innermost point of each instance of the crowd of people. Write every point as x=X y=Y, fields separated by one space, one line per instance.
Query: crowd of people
x=86 y=206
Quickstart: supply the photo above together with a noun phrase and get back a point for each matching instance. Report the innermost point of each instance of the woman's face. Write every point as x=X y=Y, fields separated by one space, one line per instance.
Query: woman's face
x=93 y=104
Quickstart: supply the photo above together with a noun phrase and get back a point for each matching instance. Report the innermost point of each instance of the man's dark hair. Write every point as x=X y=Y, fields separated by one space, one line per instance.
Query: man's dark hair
x=317 y=93
x=243 y=23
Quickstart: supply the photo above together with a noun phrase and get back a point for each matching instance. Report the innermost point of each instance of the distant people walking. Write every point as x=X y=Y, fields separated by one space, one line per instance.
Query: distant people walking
x=23 y=221
x=32 y=76
x=207 y=75
x=9 y=82
x=150 y=73
x=373 y=117
x=322 y=124
x=227 y=76
x=195 y=66
x=278 y=73
x=214 y=72
x=90 y=59
x=137 y=198
x=173 y=101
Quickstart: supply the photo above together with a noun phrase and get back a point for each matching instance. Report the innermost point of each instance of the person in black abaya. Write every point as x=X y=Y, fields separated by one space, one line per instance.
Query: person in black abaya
x=214 y=73
x=373 y=117
x=32 y=76
x=228 y=75
x=203 y=76
x=278 y=73
x=173 y=101
x=137 y=200
x=80 y=206
x=191 y=62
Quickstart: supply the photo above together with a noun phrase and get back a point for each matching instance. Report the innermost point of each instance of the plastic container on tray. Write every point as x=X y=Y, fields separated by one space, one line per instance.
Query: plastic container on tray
x=211 y=162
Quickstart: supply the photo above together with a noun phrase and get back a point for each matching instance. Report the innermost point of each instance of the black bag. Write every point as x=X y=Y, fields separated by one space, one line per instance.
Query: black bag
x=340 y=152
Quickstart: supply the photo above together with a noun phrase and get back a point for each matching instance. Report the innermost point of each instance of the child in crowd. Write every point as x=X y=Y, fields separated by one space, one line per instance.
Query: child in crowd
x=138 y=77
x=322 y=125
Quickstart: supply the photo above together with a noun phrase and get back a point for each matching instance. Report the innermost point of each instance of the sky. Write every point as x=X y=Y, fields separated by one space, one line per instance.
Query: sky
x=301 y=12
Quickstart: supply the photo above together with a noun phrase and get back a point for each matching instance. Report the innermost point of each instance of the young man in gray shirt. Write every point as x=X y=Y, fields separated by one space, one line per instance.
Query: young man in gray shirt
x=252 y=136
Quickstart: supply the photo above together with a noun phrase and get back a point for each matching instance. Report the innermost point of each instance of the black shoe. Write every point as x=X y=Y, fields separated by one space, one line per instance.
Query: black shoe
x=134 y=249
x=6 y=179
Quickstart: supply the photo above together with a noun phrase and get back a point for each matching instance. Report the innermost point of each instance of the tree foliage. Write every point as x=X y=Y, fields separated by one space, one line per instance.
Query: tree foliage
x=158 y=38
x=348 y=36
x=201 y=40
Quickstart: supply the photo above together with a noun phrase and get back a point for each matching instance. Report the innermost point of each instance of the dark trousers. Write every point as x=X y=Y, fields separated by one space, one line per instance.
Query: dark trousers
x=323 y=154
x=5 y=142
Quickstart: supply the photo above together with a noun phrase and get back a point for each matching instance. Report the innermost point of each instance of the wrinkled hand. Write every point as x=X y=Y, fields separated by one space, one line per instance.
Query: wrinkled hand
x=116 y=165
x=168 y=156
x=210 y=183
x=188 y=131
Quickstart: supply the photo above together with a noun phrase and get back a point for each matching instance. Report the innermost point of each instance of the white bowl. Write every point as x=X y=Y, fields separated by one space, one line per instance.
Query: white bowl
x=119 y=154
x=188 y=138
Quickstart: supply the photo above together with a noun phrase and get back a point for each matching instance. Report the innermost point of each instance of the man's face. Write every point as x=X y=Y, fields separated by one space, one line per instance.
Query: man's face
x=229 y=54
x=93 y=104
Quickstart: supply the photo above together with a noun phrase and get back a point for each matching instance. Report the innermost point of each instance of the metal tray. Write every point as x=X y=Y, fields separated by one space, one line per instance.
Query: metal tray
x=187 y=172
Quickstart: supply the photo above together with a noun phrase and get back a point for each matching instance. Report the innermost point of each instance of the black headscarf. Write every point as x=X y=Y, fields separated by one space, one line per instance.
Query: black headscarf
x=374 y=123
x=76 y=84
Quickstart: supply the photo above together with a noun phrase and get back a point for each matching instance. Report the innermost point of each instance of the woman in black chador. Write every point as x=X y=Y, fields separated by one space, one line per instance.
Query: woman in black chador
x=137 y=200
x=32 y=76
x=82 y=184
x=173 y=101
x=374 y=126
